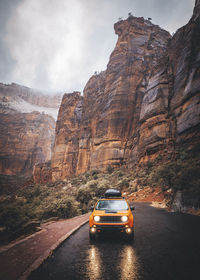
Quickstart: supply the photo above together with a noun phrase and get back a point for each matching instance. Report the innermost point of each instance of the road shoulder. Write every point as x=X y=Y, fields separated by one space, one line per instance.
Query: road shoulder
x=20 y=259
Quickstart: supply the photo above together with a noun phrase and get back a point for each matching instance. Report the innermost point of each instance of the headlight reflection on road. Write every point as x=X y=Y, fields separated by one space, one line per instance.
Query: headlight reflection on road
x=128 y=264
x=94 y=266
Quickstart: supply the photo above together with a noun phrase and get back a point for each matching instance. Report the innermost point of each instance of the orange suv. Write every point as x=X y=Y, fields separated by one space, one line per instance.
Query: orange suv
x=112 y=213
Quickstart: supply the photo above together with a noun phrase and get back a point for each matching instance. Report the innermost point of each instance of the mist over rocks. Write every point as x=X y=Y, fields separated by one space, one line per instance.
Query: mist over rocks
x=27 y=124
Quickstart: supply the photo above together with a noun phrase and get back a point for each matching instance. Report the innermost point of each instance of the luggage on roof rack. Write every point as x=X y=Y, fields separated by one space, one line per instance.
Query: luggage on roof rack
x=113 y=193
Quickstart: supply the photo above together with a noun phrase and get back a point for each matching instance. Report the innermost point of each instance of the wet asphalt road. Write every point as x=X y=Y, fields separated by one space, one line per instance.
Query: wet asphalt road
x=166 y=246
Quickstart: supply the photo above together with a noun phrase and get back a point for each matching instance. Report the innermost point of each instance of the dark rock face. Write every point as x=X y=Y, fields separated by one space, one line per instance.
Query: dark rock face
x=171 y=102
x=143 y=105
x=185 y=62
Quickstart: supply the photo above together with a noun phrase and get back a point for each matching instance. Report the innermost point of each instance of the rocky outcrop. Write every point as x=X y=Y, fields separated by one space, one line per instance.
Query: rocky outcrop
x=26 y=100
x=27 y=124
x=184 y=58
x=26 y=139
x=144 y=104
x=110 y=107
x=11 y=92
x=170 y=112
x=42 y=173
x=64 y=160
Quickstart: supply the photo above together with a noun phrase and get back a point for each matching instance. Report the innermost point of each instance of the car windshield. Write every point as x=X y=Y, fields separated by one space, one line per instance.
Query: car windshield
x=112 y=205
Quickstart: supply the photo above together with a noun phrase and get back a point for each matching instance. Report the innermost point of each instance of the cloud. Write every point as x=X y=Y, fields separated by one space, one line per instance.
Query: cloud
x=57 y=45
x=6 y=60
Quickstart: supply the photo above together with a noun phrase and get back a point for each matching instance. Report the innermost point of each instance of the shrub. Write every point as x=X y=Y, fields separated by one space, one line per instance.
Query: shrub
x=159 y=158
x=95 y=177
x=110 y=169
x=75 y=181
x=100 y=190
x=84 y=195
x=165 y=175
x=177 y=175
x=91 y=184
x=149 y=164
x=95 y=172
x=67 y=208
x=123 y=184
x=12 y=217
x=120 y=174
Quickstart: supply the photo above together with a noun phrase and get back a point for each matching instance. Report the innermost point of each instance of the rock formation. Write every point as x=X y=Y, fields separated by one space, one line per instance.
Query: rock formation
x=67 y=128
x=170 y=112
x=27 y=100
x=144 y=104
x=26 y=139
x=42 y=173
x=27 y=128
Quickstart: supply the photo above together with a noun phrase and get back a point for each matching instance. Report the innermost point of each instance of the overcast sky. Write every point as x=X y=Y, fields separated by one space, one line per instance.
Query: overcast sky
x=56 y=45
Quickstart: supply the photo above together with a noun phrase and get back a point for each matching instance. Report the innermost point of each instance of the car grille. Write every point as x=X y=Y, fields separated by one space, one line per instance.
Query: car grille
x=110 y=219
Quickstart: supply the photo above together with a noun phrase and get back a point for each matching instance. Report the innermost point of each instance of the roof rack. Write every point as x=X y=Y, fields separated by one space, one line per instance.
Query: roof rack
x=112 y=193
x=112 y=197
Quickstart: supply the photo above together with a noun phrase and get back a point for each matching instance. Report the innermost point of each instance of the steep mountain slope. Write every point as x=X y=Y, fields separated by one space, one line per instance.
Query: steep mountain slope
x=171 y=102
x=27 y=125
x=110 y=107
x=27 y=100
x=144 y=105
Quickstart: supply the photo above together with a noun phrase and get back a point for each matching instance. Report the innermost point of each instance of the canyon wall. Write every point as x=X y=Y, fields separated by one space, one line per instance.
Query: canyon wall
x=27 y=125
x=144 y=105
x=170 y=111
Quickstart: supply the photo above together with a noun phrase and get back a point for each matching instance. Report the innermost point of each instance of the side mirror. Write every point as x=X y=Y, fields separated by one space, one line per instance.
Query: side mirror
x=132 y=208
x=92 y=208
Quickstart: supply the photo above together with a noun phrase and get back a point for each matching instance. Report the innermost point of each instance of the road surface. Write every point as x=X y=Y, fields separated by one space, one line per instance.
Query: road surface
x=166 y=246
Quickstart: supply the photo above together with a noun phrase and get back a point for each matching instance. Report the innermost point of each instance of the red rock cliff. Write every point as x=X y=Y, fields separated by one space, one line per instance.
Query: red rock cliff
x=144 y=104
x=26 y=139
x=27 y=128
x=170 y=112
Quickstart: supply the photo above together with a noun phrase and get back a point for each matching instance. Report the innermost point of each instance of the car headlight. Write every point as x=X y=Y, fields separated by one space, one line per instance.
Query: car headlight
x=96 y=218
x=124 y=219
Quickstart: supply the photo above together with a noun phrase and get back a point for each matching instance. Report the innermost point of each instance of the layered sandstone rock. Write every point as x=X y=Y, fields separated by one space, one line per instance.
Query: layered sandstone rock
x=26 y=100
x=111 y=102
x=14 y=91
x=27 y=125
x=170 y=112
x=42 y=173
x=184 y=58
x=64 y=160
x=25 y=140
x=144 y=104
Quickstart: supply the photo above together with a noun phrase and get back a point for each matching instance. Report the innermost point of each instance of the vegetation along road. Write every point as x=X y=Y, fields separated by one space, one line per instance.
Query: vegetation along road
x=166 y=246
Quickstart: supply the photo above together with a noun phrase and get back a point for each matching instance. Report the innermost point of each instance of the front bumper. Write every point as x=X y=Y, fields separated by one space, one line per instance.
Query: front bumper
x=111 y=228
